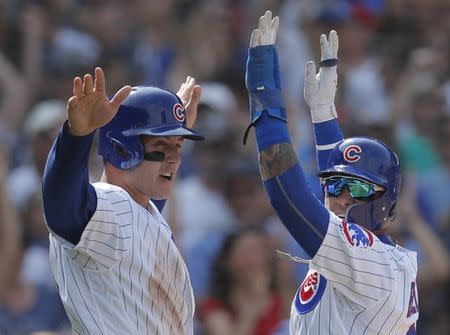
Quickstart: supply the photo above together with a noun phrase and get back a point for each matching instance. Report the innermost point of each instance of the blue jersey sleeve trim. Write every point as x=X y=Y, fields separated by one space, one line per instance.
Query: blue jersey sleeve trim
x=69 y=199
x=270 y=131
x=327 y=134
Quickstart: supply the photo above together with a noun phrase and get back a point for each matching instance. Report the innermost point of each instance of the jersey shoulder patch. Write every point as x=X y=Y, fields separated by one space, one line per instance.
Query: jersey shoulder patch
x=355 y=235
x=310 y=292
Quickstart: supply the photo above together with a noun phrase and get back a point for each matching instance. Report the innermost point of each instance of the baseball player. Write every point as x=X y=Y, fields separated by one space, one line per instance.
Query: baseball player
x=359 y=281
x=117 y=268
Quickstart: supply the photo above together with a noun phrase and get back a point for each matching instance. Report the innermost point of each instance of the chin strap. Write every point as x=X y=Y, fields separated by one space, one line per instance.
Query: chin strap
x=154 y=156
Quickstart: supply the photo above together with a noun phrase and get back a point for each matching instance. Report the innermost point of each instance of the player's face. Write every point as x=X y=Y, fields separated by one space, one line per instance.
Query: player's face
x=338 y=205
x=342 y=192
x=155 y=179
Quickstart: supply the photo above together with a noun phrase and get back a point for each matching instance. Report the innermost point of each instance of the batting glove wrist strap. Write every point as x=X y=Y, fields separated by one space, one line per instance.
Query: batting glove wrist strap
x=263 y=84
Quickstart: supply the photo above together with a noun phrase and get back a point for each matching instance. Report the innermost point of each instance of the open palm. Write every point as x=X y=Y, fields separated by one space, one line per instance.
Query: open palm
x=89 y=108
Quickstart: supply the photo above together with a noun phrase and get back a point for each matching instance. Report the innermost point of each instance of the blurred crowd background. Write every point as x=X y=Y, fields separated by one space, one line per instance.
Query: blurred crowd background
x=394 y=84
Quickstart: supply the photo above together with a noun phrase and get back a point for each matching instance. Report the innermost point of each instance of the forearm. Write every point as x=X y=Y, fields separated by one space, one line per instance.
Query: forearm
x=10 y=238
x=299 y=210
x=15 y=94
x=437 y=259
x=69 y=199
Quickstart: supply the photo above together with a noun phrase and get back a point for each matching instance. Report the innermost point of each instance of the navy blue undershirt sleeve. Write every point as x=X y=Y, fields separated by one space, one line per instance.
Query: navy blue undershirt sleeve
x=326 y=134
x=298 y=208
x=69 y=199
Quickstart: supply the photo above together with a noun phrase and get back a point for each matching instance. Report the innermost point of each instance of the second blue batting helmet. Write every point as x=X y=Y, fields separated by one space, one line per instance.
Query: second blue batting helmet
x=371 y=160
x=149 y=111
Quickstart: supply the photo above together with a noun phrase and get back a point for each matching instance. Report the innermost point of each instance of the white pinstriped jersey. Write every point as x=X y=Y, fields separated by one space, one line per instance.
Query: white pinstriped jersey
x=125 y=276
x=356 y=285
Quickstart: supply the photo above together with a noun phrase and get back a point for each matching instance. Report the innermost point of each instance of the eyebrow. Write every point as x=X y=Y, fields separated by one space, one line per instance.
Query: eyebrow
x=157 y=138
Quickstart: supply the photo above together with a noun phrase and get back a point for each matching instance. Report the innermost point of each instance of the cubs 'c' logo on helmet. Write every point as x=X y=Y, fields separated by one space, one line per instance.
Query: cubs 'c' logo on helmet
x=178 y=112
x=351 y=153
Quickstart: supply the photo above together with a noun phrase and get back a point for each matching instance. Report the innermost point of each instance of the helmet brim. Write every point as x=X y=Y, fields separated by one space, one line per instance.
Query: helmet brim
x=173 y=130
x=345 y=170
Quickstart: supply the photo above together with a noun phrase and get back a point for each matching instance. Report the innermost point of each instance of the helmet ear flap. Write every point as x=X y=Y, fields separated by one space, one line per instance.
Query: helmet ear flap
x=392 y=213
x=119 y=148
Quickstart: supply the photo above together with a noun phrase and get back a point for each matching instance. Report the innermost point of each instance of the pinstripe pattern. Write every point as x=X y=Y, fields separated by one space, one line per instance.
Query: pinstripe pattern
x=367 y=292
x=126 y=275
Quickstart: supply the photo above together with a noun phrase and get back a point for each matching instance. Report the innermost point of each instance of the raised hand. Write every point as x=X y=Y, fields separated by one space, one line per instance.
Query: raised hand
x=190 y=93
x=89 y=108
x=266 y=33
x=320 y=88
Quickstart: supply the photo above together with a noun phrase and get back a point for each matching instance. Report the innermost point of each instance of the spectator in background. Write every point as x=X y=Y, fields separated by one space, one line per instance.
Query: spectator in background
x=244 y=296
x=24 y=307
x=40 y=129
x=202 y=169
x=36 y=267
x=414 y=231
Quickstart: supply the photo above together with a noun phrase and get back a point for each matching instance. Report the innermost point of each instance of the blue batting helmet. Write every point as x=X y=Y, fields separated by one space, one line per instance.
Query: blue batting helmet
x=149 y=111
x=371 y=160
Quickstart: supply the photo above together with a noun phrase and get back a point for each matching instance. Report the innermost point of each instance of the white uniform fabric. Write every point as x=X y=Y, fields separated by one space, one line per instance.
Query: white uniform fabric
x=125 y=276
x=356 y=285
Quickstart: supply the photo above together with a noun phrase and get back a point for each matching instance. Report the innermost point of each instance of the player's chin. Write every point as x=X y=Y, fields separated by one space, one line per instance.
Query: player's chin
x=165 y=186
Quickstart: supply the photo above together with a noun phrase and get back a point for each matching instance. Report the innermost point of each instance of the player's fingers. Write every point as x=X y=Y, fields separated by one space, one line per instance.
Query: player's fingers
x=334 y=43
x=88 y=84
x=274 y=28
x=190 y=83
x=254 y=39
x=120 y=96
x=99 y=83
x=78 y=87
x=192 y=106
x=71 y=103
x=263 y=28
x=185 y=91
x=310 y=76
x=323 y=46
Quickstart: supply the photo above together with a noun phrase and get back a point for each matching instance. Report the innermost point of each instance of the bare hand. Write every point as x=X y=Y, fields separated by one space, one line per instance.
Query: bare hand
x=89 y=108
x=189 y=94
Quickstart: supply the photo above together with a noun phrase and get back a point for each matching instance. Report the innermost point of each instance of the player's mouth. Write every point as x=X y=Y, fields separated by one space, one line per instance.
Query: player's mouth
x=167 y=175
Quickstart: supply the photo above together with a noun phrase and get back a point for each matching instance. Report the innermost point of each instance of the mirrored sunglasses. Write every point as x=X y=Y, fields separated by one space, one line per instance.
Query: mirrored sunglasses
x=358 y=189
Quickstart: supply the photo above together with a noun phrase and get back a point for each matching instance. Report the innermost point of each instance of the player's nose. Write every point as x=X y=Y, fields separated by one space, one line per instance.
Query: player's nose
x=345 y=199
x=173 y=156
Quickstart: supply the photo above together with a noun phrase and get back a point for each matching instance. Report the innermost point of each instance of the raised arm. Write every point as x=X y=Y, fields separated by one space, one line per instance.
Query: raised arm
x=69 y=199
x=10 y=235
x=319 y=93
x=284 y=181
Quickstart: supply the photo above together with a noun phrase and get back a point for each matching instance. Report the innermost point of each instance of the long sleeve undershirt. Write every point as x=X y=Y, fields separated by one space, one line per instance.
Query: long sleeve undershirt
x=300 y=211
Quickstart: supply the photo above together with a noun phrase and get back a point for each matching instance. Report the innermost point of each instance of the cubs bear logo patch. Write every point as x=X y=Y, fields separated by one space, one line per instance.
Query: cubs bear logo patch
x=310 y=292
x=355 y=235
